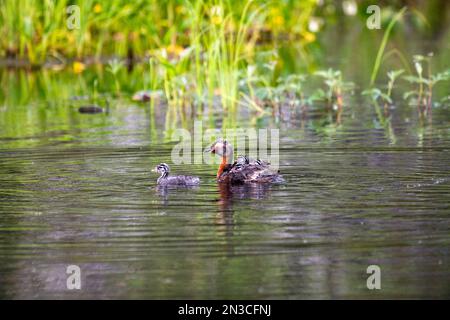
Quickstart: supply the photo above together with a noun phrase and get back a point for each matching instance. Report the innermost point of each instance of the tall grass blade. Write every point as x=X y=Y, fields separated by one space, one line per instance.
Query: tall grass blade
x=384 y=41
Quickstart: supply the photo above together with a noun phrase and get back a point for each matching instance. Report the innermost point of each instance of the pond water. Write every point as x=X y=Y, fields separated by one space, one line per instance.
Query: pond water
x=77 y=190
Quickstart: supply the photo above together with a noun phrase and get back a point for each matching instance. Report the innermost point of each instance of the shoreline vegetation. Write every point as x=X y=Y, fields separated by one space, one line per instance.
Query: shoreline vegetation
x=199 y=54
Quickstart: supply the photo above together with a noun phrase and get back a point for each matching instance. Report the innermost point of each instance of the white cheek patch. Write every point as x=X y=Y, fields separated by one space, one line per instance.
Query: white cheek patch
x=219 y=149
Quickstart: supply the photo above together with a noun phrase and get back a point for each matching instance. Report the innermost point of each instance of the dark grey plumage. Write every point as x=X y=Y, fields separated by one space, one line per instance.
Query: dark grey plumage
x=260 y=172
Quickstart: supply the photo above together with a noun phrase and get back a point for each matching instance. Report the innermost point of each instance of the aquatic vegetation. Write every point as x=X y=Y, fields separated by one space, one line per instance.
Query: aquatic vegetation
x=38 y=30
x=199 y=48
x=227 y=51
x=392 y=75
x=422 y=95
x=205 y=57
x=256 y=82
x=291 y=87
x=377 y=94
x=335 y=88
x=114 y=66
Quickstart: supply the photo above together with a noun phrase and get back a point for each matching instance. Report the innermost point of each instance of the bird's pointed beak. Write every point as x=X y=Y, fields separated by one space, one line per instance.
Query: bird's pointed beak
x=154 y=169
x=209 y=149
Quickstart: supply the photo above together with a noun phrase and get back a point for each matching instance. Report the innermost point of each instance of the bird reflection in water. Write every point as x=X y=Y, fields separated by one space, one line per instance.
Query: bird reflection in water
x=229 y=194
x=165 y=191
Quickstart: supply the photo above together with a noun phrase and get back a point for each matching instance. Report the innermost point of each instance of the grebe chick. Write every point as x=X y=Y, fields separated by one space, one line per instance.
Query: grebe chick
x=166 y=180
x=242 y=170
x=241 y=160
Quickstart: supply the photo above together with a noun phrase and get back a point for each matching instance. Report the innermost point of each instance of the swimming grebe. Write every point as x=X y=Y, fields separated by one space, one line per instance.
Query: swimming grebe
x=166 y=180
x=242 y=170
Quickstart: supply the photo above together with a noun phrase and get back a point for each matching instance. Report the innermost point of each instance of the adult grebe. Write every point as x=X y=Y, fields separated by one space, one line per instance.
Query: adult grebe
x=242 y=170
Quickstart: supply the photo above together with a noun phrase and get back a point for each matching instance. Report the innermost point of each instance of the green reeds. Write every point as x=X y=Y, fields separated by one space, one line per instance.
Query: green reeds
x=114 y=67
x=37 y=29
x=383 y=44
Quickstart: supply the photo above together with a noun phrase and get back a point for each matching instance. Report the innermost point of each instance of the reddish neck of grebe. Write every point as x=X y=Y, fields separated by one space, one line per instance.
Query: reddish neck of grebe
x=222 y=166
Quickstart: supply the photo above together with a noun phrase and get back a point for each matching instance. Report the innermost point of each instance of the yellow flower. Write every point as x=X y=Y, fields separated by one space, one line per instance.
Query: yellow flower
x=174 y=49
x=216 y=19
x=309 y=37
x=216 y=15
x=98 y=8
x=278 y=20
x=78 y=67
